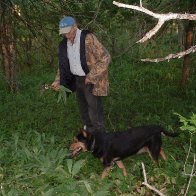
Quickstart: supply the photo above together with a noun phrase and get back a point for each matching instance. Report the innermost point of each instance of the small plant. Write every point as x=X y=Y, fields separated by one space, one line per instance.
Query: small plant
x=74 y=168
x=63 y=93
x=189 y=125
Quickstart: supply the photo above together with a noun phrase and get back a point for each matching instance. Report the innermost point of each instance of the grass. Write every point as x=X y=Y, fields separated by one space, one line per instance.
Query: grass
x=36 y=132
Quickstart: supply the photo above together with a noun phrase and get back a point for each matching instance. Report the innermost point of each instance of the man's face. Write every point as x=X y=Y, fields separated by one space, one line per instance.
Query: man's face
x=71 y=35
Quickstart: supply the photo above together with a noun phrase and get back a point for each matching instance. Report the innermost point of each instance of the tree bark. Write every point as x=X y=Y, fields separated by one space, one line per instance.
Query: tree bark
x=186 y=61
x=188 y=44
x=8 y=46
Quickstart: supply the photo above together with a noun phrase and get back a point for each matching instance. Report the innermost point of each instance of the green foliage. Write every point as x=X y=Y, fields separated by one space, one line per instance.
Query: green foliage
x=36 y=28
x=63 y=94
x=74 y=168
x=36 y=132
x=189 y=124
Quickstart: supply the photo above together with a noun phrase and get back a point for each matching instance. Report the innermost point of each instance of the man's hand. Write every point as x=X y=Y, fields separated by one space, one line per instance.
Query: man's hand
x=87 y=81
x=55 y=85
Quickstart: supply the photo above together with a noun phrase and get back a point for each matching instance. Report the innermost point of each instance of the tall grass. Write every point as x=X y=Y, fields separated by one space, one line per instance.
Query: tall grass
x=36 y=132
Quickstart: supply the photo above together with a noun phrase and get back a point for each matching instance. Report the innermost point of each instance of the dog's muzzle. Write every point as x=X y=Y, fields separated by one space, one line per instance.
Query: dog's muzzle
x=76 y=148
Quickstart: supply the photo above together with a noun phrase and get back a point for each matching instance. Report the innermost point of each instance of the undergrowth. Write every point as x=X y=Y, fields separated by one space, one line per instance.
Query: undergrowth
x=36 y=132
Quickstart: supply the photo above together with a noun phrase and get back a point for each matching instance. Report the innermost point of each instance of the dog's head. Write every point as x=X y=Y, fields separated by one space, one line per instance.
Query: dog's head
x=80 y=143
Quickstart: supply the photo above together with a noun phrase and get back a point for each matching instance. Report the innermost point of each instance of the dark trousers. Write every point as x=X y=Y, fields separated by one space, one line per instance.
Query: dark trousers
x=91 y=108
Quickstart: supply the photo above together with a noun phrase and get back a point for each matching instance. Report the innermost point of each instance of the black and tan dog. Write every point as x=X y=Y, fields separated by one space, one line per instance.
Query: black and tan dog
x=111 y=148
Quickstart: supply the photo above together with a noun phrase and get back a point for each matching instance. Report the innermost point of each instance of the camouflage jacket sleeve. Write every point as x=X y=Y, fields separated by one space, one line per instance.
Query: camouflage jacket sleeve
x=98 y=58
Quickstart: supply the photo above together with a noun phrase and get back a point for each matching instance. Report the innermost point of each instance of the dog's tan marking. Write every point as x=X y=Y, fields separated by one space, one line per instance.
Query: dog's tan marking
x=76 y=147
x=143 y=150
x=122 y=167
x=106 y=171
x=162 y=153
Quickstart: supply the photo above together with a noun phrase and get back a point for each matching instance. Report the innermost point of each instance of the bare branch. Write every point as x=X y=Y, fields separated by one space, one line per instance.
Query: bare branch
x=141 y=3
x=140 y=9
x=190 y=146
x=148 y=185
x=152 y=32
x=191 y=175
x=161 y=18
x=144 y=173
x=172 y=56
x=96 y=14
x=168 y=16
x=194 y=175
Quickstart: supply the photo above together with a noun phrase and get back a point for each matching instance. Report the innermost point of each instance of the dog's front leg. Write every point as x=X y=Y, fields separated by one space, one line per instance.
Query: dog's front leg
x=122 y=167
x=106 y=171
x=162 y=153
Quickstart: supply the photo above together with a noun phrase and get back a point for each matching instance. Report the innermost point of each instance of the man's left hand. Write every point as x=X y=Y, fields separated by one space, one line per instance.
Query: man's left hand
x=87 y=81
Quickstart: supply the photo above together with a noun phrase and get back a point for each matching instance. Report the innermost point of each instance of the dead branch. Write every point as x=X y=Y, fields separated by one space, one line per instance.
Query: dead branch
x=148 y=185
x=191 y=175
x=162 y=18
x=172 y=56
x=189 y=150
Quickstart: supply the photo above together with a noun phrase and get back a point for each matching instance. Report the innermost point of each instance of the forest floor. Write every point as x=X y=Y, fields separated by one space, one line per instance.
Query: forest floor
x=36 y=132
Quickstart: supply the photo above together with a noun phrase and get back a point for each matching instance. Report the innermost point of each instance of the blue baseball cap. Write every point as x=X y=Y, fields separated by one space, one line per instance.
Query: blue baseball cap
x=66 y=24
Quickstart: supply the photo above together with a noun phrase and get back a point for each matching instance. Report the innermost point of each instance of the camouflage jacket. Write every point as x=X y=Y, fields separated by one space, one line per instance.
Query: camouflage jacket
x=98 y=59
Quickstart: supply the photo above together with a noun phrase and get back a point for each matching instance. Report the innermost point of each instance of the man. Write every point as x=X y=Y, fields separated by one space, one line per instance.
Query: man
x=83 y=67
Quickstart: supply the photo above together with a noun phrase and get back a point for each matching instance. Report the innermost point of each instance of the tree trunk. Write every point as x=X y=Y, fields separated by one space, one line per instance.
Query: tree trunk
x=186 y=61
x=188 y=44
x=8 y=47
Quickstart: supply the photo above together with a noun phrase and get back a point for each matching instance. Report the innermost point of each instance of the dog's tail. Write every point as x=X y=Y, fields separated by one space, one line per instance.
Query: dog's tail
x=167 y=133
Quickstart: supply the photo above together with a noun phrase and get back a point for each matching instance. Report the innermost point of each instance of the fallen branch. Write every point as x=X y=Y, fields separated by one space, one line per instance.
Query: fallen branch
x=162 y=18
x=188 y=153
x=172 y=56
x=148 y=185
x=191 y=176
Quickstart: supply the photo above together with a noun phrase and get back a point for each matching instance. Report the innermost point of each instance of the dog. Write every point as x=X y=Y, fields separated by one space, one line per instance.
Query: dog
x=112 y=147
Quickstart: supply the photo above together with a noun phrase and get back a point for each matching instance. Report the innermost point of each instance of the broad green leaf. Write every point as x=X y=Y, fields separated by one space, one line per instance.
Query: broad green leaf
x=69 y=165
x=65 y=89
x=63 y=94
x=59 y=97
x=88 y=187
x=102 y=193
x=50 y=192
x=16 y=138
x=13 y=192
x=77 y=166
x=60 y=169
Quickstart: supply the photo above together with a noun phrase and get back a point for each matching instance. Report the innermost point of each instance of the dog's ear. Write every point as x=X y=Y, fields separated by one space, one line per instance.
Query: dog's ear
x=84 y=133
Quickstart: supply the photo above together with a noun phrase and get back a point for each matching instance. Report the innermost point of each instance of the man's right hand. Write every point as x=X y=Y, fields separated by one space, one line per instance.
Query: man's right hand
x=55 y=85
